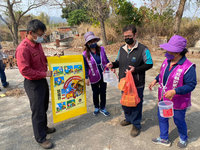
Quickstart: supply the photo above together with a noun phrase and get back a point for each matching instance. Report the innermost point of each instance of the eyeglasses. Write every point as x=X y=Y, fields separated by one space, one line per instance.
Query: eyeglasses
x=128 y=36
x=43 y=35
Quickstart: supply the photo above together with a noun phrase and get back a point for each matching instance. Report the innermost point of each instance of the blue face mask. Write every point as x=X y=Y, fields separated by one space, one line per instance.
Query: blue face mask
x=168 y=56
x=39 y=39
x=94 y=45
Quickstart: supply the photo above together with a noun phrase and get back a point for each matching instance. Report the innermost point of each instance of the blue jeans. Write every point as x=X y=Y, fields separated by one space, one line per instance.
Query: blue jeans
x=134 y=114
x=179 y=120
x=2 y=73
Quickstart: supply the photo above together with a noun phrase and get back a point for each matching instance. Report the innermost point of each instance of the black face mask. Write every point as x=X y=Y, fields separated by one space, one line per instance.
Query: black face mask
x=129 y=41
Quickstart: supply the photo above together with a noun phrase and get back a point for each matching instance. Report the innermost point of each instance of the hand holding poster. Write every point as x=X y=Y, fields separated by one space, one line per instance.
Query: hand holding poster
x=67 y=87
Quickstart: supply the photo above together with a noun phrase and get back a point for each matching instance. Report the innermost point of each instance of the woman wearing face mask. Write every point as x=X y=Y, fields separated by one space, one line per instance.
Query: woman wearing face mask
x=95 y=62
x=177 y=79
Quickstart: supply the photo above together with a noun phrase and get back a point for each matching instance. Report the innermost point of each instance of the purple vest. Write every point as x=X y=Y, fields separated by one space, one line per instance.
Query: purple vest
x=94 y=74
x=175 y=79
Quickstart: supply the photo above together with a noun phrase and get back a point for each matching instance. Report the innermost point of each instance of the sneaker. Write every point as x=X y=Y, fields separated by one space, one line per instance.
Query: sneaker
x=161 y=141
x=46 y=144
x=51 y=130
x=96 y=111
x=182 y=144
x=124 y=123
x=104 y=112
x=135 y=131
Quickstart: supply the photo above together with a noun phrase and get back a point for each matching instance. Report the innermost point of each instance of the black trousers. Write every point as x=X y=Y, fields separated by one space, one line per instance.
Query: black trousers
x=38 y=94
x=99 y=88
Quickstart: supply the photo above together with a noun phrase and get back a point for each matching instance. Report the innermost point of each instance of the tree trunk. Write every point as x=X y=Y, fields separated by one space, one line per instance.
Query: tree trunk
x=178 y=16
x=14 y=23
x=15 y=36
x=103 y=32
x=14 y=20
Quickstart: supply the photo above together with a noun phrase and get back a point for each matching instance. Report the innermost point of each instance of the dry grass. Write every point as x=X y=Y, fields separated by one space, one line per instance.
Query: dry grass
x=15 y=92
x=111 y=34
x=5 y=34
x=191 y=31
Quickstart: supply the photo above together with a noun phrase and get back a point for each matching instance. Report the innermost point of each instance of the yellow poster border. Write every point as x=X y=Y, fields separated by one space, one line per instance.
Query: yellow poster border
x=75 y=112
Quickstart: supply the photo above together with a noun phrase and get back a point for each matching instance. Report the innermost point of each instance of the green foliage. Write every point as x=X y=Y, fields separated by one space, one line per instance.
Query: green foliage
x=75 y=12
x=129 y=14
x=155 y=23
x=77 y=16
x=95 y=22
x=67 y=10
x=76 y=4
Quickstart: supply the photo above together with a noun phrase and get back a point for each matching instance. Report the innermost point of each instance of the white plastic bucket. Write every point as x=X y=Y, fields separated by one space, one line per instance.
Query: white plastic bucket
x=166 y=109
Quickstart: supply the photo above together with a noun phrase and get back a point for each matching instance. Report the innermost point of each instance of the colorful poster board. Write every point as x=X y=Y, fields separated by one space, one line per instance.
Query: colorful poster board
x=68 y=90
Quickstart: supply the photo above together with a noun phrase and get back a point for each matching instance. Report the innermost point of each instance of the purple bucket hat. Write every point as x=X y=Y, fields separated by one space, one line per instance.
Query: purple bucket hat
x=90 y=36
x=176 y=44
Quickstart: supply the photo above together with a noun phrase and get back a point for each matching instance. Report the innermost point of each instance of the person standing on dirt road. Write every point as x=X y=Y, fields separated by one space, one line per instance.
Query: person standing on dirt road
x=95 y=60
x=32 y=64
x=177 y=79
x=135 y=57
x=2 y=70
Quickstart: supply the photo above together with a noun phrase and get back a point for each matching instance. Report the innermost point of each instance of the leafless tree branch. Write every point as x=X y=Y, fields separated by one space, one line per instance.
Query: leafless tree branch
x=60 y=4
x=3 y=6
x=8 y=25
x=15 y=2
x=30 y=8
x=14 y=22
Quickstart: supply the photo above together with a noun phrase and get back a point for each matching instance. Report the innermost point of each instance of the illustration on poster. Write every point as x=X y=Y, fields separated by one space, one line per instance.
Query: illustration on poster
x=77 y=69
x=73 y=87
x=68 y=69
x=60 y=107
x=58 y=81
x=57 y=71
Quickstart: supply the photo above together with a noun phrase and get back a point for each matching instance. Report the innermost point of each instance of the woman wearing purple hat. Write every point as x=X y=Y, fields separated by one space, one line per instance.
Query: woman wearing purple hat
x=95 y=62
x=177 y=79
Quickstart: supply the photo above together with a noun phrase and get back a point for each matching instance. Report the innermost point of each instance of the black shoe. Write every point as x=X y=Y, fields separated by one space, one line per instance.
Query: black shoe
x=51 y=130
x=6 y=85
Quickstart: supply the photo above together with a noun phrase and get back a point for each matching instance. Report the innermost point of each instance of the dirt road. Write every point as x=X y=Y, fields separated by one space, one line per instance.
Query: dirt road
x=88 y=132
